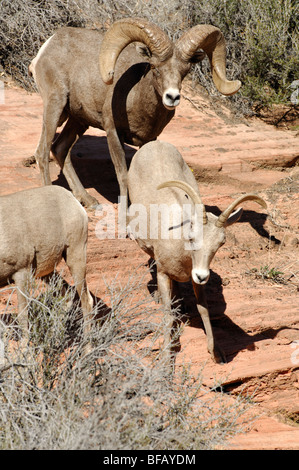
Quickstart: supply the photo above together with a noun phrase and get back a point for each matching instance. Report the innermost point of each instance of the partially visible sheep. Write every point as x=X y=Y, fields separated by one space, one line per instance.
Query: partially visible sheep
x=184 y=240
x=37 y=228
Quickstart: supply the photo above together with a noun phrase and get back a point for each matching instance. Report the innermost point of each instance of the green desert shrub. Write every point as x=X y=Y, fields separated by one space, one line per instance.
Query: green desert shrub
x=263 y=45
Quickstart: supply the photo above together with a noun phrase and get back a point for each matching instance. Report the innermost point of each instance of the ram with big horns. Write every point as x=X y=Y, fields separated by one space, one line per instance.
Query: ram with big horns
x=88 y=78
x=184 y=238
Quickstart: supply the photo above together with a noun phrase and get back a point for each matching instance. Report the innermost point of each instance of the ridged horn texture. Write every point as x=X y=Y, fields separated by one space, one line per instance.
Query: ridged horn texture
x=195 y=197
x=226 y=213
x=211 y=40
x=128 y=30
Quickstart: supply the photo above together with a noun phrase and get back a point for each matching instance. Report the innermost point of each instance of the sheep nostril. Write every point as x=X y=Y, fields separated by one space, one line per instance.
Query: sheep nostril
x=202 y=279
x=172 y=98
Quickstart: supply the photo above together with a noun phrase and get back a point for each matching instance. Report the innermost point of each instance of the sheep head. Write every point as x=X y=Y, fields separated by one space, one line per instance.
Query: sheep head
x=207 y=231
x=170 y=62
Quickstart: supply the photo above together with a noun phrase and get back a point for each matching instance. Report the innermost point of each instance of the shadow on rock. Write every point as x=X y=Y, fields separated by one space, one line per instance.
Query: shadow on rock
x=230 y=336
x=94 y=167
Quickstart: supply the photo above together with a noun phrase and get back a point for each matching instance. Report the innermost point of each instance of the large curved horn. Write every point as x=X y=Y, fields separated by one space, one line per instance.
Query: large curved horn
x=211 y=40
x=128 y=30
x=195 y=197
x=226 y=213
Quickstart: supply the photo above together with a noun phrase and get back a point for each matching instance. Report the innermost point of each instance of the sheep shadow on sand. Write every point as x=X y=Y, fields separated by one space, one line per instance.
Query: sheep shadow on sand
x=93 y=165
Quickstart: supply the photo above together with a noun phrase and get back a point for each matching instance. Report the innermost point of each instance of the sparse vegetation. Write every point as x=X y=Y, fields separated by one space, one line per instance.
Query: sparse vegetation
x=262 y=37
x=268 y=273
x=291 y=418
x=263 y=45
x=119 y=396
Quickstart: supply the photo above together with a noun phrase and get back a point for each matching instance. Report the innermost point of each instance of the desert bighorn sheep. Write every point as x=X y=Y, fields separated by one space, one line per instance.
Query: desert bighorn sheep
x=37 y=228
x=178 y=256
x=93 y=79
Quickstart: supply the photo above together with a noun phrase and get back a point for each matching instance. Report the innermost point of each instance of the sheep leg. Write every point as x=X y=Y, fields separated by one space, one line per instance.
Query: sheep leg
x=170 y=330
x=176 y=295
x=61 y=149
x=76 y=261
x=53 y=109
x=118 y=158
x=202 y=307
x=21 y=280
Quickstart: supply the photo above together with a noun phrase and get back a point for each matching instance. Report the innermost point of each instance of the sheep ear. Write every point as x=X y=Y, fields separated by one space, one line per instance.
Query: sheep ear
x=197 y=57
x=234 y=217
x=143 y=50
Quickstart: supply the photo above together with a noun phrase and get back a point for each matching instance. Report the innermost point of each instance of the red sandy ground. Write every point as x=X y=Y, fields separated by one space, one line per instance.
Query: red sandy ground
x=255 y=319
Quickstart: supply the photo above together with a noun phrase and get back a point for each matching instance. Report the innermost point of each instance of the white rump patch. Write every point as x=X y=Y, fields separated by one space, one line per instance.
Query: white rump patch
x=37 y=57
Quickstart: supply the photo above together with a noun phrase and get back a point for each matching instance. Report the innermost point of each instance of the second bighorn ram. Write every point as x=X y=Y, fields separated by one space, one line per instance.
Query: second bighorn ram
x=174 y=228
x=89 y=78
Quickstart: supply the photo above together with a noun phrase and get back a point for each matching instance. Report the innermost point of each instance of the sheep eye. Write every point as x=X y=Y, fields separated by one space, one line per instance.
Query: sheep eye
x=155 y=70
x=222 y=242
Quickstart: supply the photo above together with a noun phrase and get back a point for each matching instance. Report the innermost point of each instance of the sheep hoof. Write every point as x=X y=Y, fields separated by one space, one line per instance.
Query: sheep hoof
x=90 y=203
x=95 y=206
x=218 y=355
